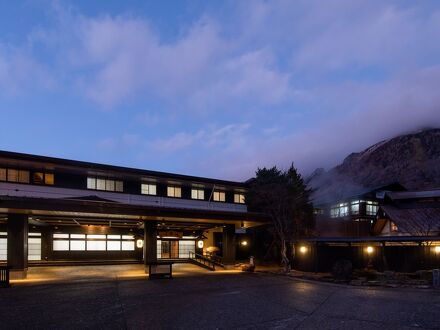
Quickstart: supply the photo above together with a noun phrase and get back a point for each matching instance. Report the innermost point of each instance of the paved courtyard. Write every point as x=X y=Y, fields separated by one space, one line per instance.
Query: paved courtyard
x=207 y=300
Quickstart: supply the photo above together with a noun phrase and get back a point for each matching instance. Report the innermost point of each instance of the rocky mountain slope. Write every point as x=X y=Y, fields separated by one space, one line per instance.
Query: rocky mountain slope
x=413 y=160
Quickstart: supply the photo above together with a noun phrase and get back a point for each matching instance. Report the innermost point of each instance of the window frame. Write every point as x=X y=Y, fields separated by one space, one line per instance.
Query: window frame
x=174 y=188
x=199 y=194
x=241 y=198
x=146 y=189
x=217 y=194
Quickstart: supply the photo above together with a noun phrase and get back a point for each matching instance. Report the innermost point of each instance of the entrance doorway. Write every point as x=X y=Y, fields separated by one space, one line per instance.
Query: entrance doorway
x=170 y=249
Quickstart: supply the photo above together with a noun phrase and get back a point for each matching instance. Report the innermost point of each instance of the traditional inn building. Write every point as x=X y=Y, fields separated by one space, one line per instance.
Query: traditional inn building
x=71 y=212
x=389 y=228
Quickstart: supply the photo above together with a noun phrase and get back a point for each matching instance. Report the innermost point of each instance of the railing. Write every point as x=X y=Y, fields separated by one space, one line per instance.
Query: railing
x=4 y=276
x=202 y=260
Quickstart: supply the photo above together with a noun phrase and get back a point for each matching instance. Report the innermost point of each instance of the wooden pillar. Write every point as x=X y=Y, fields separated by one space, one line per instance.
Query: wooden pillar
x=229 y=244
x=18 y=245
x=150 y=242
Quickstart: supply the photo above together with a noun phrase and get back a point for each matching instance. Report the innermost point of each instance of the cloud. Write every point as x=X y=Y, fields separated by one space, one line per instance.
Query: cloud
x=259 y=84
x=227 y=137
x=20 y=73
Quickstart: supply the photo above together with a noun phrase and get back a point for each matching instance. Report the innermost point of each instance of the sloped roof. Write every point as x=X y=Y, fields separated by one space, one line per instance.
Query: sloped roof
x=414 y=221
x=414 y=194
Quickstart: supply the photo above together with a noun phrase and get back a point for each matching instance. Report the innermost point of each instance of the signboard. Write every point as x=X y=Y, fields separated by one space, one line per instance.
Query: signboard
x=171 y=233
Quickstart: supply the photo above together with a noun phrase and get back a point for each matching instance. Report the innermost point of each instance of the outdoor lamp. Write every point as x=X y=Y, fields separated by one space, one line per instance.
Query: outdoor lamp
x=437 y=249
x=370 y=249
x=200 y=244
x=244 y=243
x=303 y=249
x=140 y=243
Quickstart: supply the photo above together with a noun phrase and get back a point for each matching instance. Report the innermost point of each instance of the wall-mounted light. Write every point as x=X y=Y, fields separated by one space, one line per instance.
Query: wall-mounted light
x=303 y=249
x=200 y=244
x=437 y=249
x=369 y=249
x=139 y=243
x=244 y=243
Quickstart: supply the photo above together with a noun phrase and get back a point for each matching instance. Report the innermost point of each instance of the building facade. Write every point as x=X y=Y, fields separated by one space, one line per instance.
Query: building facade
x=65 y=211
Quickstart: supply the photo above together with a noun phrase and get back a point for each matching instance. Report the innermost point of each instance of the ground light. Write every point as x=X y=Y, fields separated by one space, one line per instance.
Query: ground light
x=303 y=249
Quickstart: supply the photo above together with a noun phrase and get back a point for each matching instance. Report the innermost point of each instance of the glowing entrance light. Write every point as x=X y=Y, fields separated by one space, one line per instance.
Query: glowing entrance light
x=369 y=249
x=200 y=244
x=244 y=243
x=303 y=249
x=139 y=244
x=437 y=249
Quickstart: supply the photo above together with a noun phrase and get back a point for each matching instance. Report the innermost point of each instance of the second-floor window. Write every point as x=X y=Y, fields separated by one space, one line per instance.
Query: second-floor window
x=148 y=189
x=197 y=194
x=372 y=207
x=14 y=175
x=174 y=191
x=355 y=207
x=239 y=198
x=98 y=183
x=44 y=178
x=219 y=196
x=339 y=210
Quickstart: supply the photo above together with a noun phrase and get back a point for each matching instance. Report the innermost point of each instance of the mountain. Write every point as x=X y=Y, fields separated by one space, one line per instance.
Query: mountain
x=413 y=160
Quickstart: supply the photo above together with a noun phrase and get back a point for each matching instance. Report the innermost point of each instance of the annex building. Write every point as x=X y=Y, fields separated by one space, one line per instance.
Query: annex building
x=59 y=211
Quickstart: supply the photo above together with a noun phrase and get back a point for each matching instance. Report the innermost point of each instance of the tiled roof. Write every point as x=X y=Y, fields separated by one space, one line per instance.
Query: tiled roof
x=414 y=221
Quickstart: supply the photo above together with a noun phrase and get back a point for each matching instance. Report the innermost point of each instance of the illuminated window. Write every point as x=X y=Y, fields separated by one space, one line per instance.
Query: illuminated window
x=113 y=245
x=355 y=207
x=96 y=237
x=110 y=185
x=3 y=246
x=100 y=184
x=61 y=245
x=78 y=236
x=148 y=189
x=219 y=196
x=43 y=178
x=12 y=175
x=77 y=245
x=34 y=246
x=23 y=176
x=239 y=198
x=2 y=174
x=38 y=177
x=339 y=210
x=60 y=235
x=127 y=245
x=394 y=227
x=185 y=247
x=372 y=207
x=104 y=184
x=91 y=183
x=49 y=179
x=119 y=186
x=197 y=194
x=96 y=245
x=174 y=191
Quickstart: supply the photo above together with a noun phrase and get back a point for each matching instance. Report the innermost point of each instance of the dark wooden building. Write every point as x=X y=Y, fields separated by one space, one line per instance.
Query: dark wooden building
x=58 y=210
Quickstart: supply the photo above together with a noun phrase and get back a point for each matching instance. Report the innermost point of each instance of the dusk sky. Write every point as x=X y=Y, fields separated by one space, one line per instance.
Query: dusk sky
x=215 y=88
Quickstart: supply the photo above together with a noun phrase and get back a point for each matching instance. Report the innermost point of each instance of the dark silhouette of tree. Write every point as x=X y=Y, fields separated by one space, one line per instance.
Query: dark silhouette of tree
x=285 y=199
